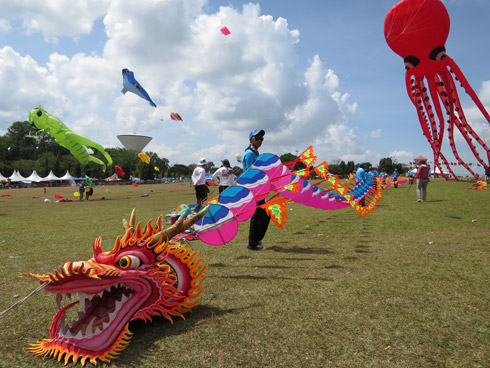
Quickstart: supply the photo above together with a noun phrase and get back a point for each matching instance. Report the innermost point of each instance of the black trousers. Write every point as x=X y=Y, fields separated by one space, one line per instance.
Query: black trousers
x=258 y=225
x=222 y=187
x=201 y=195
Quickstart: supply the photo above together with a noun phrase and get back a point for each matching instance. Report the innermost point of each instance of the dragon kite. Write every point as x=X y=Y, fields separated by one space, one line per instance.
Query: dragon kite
x=268 y=174
x=146 y=274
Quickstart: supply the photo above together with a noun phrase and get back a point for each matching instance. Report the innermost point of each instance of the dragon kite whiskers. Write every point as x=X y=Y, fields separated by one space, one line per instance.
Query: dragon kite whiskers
x=146 y=274
x=417 y=30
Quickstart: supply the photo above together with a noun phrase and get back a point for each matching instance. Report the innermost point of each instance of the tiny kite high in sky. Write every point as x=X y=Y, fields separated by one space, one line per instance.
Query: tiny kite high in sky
x=132 y=85
x=175 y=116
x=225 y=31
x=73 y=142
x=417 y=30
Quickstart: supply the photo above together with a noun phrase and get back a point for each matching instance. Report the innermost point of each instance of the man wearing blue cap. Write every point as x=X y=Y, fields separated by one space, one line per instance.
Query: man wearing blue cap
x=361 y=176
x=260 y=220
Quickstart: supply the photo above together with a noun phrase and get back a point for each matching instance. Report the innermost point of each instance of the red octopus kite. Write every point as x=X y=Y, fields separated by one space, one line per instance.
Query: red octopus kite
x=417 y=31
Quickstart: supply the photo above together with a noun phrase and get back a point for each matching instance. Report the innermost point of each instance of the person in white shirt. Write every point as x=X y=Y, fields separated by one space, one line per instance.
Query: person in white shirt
x=199 y=181
x=224 y=176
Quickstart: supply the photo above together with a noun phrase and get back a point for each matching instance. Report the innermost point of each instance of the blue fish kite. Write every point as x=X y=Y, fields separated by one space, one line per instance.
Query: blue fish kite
x=130 y=84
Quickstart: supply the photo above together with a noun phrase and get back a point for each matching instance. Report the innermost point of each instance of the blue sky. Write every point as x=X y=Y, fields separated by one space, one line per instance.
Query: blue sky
x=308 y=72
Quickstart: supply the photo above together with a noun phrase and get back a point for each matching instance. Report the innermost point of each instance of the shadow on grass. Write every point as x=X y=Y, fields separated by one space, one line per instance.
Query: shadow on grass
x=319 y=279
x=334 y=267
x=234 y=266
x=146 y=335
x=240 y=277
x=310 y=250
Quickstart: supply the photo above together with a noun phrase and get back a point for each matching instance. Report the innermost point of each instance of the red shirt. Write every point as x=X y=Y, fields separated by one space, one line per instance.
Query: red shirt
x=422 y=172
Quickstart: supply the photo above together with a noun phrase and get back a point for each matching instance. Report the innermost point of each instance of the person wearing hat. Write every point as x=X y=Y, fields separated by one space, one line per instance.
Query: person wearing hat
x=199 y=181
x=423 y=176
x=259 y=222
x=374 y=176
x=394 y=178
x=224 y=175
x=361 y=176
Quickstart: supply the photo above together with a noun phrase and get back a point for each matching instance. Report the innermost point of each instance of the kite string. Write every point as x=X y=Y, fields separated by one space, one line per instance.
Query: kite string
x=40 y=287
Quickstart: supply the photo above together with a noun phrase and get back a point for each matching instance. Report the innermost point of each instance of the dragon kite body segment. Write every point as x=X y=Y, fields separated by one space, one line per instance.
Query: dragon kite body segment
x=417 y=31
x=73 y=142
x=144 y=275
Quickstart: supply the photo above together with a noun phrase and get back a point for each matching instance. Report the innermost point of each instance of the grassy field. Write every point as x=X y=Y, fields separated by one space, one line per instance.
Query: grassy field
x=406 y=286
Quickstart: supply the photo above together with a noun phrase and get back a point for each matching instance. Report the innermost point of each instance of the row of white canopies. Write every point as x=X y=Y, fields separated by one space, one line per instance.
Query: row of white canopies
x=34 y=177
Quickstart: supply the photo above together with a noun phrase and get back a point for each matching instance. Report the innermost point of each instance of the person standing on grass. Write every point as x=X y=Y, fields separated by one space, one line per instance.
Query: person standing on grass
x=199 y=181
x=394 y=178
x=374 y=175
x=361 y=176
x=423 y=177
x=81 y=190
x=224 y=175
x=260 y=220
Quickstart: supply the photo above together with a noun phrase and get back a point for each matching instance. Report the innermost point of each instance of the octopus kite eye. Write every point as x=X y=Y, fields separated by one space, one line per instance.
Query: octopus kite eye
x=438 y=53
x=129 y=262
x=411 y=62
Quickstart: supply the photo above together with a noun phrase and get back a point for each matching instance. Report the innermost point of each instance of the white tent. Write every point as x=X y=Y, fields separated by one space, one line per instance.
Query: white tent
x=51 y=177
x=438 y=172
x=16 y=176
x=34 y=177
x=67 y=176
x=2 y=178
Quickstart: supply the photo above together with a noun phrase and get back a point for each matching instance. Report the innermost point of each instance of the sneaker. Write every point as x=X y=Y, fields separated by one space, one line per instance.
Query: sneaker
x=420 y=200
x=257 y=247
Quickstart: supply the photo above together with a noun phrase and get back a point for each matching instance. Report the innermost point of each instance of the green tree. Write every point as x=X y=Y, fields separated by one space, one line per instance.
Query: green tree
x=350 y=167
x=387 y=165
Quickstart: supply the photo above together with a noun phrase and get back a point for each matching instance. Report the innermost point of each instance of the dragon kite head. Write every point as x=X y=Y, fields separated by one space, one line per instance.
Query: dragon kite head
x=146 y=274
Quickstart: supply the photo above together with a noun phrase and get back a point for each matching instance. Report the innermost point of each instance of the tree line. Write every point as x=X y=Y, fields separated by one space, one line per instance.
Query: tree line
x=20 y=152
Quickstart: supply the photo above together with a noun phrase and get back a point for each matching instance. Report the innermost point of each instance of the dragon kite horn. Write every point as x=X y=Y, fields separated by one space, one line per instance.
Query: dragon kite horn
x=182 y=224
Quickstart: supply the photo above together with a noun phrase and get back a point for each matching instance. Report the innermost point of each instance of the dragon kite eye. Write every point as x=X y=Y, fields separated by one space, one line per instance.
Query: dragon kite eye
x=39 y=112
x=129 y=262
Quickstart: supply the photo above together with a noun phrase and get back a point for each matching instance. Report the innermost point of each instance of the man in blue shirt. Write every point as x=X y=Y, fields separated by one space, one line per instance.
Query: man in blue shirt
x=260 y=220
x=361 y=176
x=394 y=178
x=360 y=173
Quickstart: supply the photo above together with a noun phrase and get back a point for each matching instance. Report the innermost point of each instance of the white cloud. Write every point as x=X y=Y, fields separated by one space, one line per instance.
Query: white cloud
x=5 y=25
x=223 y=86
x=55 y=18
x=402 y=156
x=377 y=133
